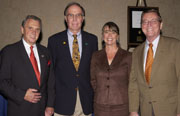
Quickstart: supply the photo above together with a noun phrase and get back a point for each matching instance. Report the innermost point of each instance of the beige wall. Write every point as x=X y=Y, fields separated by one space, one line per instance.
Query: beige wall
x=12 y=12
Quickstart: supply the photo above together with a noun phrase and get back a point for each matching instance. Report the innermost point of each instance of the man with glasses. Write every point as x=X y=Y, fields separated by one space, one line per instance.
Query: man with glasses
x=71 y=52
x=154 y=84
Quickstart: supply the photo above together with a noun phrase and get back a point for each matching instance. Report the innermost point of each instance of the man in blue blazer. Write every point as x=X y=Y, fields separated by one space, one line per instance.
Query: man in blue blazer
x=74 y=94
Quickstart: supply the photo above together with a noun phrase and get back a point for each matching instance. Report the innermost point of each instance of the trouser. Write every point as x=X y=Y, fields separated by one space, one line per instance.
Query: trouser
x=78 y=108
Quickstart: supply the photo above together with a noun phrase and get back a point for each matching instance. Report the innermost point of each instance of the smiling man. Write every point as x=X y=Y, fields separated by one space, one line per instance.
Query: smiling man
x=26 y=74
x=154 y=83
x=71 y=51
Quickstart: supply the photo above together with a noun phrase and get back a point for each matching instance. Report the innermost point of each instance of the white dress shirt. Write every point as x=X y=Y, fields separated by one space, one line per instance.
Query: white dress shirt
x=28 y=50
x=155 y=45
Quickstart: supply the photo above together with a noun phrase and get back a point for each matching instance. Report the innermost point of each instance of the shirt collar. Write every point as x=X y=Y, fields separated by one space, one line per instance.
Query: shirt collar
x=155 y=42
x=27 y=45
x=70 y=33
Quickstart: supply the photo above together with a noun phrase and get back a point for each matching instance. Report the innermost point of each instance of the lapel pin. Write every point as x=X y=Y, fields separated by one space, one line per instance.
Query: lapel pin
x=86 y=44
x=64 y=43
x=42 y=56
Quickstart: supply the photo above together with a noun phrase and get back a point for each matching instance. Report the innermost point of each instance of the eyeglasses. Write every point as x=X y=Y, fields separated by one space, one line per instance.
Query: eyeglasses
x=152 y=22
x=71 y=16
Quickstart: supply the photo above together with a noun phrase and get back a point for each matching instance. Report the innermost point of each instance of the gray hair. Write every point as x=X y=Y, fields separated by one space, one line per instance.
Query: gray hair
x=71 y=4
x=31 y=17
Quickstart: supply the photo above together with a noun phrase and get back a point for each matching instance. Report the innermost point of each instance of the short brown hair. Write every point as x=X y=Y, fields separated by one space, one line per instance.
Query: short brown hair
x=152 y=11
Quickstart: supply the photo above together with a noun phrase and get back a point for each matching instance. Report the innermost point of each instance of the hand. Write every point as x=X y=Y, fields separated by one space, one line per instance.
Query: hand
x=32 y=96
x=49 y=111
x=178 y=114
x=134 y=114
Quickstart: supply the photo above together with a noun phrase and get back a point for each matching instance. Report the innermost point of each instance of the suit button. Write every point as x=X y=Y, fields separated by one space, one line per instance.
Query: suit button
x=108 y=69
x=107 y=78
x=150 y=102
x=154 y=101
x=77 y=75
x=107 y=86
x=76 y=88
x=150 y=87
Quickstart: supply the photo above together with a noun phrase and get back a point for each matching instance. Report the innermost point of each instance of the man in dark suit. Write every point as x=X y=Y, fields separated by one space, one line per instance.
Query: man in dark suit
x=26 y=74
x=71 y=52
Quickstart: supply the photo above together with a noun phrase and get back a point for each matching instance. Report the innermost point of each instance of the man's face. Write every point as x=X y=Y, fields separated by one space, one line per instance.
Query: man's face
x=31 y=31
x=151 y=26
x=74 y=18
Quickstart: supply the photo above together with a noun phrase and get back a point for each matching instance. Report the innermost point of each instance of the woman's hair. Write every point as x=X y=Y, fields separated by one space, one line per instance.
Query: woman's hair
x=113 y=27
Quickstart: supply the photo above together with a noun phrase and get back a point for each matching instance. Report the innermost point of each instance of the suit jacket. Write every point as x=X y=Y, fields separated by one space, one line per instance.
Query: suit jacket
x=17 y=75
x=67 y=79
x=162 y=94
x=110 y=82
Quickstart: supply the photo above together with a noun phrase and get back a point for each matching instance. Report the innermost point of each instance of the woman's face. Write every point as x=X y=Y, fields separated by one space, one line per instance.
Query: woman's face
x=110 y=37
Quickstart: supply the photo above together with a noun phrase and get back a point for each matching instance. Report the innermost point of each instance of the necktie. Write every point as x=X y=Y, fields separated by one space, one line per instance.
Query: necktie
x=75 y=53
x=149 y=61
x=34 y=64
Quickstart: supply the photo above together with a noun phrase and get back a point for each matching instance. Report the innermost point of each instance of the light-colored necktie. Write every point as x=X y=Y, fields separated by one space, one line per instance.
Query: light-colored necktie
x=34 y=64
x=75 y=53
x=149 y=61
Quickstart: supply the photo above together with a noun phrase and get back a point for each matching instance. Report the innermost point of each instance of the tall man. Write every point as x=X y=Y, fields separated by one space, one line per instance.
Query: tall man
x=71 y=52
x=155 y=77
x=26 y=74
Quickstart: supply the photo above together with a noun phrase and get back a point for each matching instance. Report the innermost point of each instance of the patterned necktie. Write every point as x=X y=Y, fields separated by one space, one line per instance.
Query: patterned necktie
x=149 y=61
x=34 y=64
x=75 y=53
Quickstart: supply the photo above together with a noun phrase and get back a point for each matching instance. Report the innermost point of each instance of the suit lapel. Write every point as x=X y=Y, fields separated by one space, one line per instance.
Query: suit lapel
x=43 y=62
x=27 y=63
x=117 y=58
x=158 y=56
x=24 y=54
x=84 y=40
x=104 y=60
x=65 y=48
x=141 y=61
x=65 y=44
x=84 y=47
